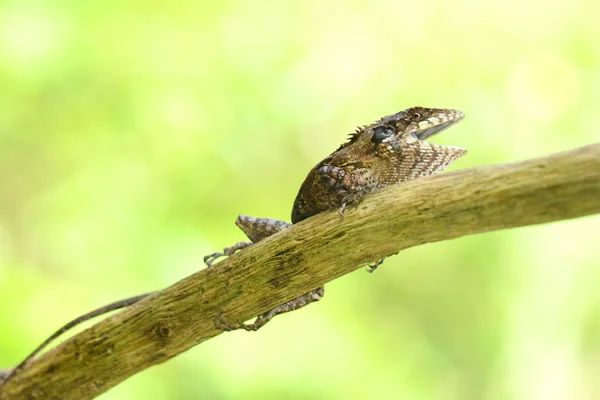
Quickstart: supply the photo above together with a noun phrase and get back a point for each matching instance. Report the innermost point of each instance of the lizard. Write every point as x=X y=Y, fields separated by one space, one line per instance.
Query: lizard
x=389 y=151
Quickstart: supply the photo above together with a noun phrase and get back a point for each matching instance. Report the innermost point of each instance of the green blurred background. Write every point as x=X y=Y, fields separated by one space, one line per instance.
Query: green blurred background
x=132 y=133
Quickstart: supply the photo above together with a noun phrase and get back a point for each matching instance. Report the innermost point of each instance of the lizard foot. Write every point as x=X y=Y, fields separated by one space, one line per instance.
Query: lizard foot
x=261 y=320
x=210 y=258
x=221 y=323
x=227 y=251
x=372 y=267
x=224 y=325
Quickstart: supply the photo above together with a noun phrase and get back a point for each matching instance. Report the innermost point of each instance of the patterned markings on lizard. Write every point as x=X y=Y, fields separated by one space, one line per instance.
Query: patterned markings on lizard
x=389 y=151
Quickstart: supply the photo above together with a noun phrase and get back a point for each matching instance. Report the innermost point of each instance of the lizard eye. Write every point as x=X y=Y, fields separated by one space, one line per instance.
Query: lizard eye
x=380 y=133
x=416 y=117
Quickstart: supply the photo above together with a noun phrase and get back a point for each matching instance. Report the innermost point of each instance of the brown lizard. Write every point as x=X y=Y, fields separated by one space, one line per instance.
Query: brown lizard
x=388 y=151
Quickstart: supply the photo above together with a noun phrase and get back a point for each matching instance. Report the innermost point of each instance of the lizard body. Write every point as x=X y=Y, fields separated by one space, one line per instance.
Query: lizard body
x=389 y=151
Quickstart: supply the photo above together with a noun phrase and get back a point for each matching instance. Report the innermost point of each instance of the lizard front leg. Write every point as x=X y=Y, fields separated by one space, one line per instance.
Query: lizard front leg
x=344 y=186
x=348 y=186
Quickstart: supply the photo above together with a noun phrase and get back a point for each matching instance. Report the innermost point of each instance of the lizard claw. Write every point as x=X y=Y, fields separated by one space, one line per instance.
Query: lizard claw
x=227 y=251
x=221 y=323
x=224 y=325
x=211 y=258
x=352 y=199
x=372 y=267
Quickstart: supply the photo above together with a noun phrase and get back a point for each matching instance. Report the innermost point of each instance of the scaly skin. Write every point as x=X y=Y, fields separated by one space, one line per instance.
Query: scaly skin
x=389 y=151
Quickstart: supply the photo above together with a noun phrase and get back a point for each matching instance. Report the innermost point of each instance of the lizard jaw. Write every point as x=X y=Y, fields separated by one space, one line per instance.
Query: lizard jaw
x=435 y=124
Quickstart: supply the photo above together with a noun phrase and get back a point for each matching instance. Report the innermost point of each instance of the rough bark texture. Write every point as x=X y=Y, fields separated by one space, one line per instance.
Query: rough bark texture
x=309 y=254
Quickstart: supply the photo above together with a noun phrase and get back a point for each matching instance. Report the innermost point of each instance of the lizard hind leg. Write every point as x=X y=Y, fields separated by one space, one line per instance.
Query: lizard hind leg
x=255 y=228
x=227 y=251
x=259 y=228
x=261 y=320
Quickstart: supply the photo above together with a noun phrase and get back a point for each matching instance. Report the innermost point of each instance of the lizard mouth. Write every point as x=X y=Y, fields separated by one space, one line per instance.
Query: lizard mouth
x=434 y=125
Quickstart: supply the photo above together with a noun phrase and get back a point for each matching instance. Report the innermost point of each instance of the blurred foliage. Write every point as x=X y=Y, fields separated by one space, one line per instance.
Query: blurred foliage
x=132 y=134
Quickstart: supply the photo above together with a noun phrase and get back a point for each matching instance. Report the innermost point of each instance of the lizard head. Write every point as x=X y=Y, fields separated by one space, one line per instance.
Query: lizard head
x=395 y=146
x=386 y=152
x=416 y=123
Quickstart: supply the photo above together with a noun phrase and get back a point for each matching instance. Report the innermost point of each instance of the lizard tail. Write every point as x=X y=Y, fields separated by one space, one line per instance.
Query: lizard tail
x=6 y=375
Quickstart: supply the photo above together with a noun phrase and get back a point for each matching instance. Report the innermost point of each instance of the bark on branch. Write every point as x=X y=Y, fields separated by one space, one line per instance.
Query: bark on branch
x=309 y=254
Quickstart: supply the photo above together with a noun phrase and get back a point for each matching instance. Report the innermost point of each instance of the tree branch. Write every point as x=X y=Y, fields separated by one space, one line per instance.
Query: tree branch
x=309 y=254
